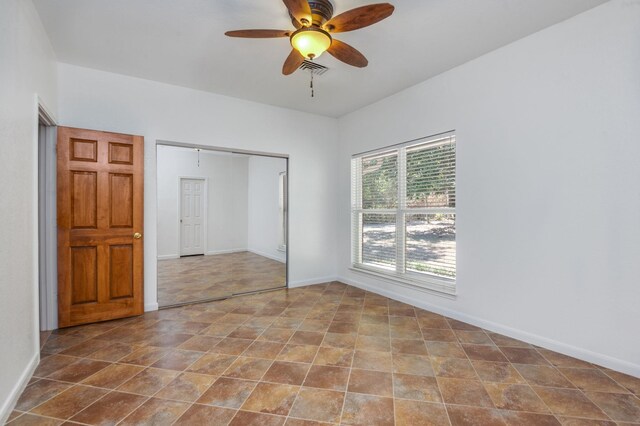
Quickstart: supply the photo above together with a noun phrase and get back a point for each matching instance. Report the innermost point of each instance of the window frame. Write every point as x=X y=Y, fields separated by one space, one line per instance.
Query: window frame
x=422 y=280
x=282 y=211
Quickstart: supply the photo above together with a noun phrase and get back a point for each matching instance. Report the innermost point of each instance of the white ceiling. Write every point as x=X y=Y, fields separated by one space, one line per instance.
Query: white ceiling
x=182 y=42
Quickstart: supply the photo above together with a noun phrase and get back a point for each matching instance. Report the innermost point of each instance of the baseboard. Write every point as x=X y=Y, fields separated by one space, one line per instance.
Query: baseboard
x=534 y=339
x=168 y=256
x=149 y=307
x=268 y=256
x=312 y=281
x=18 y=388
x=214 y=252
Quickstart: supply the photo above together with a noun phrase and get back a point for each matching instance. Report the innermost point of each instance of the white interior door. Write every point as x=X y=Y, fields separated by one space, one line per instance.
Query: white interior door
x=191 y=217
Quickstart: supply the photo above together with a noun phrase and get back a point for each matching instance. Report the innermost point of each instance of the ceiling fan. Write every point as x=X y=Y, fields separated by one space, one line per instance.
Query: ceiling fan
x=314 y=22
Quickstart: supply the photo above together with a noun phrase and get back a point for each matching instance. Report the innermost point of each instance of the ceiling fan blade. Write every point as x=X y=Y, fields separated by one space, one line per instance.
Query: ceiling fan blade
x=258 y=33
x=347 y=54
x=293 y=62
x=359 y=17
x=300 y=10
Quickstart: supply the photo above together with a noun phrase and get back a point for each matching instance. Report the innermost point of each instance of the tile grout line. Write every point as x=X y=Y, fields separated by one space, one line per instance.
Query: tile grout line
x=98 y=400
x=620 y=384
x=316 y=355
x=556 y=416
x=237 y=356
x=435 y=377
x=272 y=362
x=218 y=377
x=576 y=386
x=393 y=387
x=468 y=358
x=192 y=403
x=346 y=390
x=71 y=386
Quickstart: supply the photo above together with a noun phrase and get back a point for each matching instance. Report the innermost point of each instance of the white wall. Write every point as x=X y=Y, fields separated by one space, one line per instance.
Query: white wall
x=101 y=100
x=548 y=184
x=27 y=69
x=227 y=182
x=264 y=212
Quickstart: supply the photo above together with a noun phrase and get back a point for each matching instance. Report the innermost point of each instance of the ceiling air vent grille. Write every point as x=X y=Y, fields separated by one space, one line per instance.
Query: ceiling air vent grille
x=315 y=68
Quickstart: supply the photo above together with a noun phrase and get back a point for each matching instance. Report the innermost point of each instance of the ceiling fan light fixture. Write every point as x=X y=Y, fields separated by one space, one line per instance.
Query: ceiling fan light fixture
x=311 y=42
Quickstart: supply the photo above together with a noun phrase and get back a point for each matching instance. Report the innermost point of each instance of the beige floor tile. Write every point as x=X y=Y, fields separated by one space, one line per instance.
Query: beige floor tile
x=411 y=413
x=156 y=412
x=227 y=392
x=367 y=410
x=186 y=387
x=203 y=414
x=419 y=388
x=271 y=398
x=109 y=409
x=318 y=404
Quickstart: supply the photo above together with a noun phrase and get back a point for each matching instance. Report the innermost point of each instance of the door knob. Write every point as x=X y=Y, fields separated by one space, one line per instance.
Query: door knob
x=137 y=235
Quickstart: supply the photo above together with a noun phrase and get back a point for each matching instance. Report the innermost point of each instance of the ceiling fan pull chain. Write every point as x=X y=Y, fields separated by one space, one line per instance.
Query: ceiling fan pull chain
x=311 y=85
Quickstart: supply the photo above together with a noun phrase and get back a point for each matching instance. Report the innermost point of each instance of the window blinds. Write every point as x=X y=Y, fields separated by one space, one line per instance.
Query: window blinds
x=403 y=210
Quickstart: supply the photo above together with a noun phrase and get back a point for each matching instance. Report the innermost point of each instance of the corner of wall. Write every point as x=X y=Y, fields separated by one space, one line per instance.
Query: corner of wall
x=312 y=281
x=19 y=387
x=150 y=307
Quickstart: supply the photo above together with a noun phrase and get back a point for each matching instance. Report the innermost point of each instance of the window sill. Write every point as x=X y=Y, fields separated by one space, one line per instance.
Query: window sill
x=443 y=288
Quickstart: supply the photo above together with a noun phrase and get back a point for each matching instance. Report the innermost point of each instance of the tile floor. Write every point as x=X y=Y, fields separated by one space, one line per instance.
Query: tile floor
x=325 y=354
x=195 y=278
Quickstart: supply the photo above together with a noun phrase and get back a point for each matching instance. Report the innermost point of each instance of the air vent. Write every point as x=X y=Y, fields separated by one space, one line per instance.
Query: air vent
x=315 y=68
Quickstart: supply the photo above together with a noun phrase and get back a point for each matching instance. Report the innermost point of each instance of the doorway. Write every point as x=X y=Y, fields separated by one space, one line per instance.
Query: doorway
x=193 y=216
x=90 y=210
x=222 y=223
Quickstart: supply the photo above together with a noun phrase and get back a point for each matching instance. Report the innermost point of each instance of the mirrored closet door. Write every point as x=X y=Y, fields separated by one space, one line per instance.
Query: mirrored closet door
x=222 y=224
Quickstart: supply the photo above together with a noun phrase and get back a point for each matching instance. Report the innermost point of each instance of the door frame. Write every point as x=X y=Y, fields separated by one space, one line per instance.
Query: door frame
x=233 y=151
x=46 y=219
x=205 y=229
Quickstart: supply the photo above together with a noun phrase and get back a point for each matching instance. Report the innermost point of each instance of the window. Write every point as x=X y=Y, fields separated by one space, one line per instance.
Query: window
x=404 y=212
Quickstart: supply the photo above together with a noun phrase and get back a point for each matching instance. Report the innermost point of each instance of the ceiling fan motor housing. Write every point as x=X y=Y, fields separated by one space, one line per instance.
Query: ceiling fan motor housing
x=321 y=11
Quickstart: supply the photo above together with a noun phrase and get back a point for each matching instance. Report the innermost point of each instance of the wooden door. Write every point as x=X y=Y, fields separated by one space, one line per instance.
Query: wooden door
x=100 y=224
x=191 y=217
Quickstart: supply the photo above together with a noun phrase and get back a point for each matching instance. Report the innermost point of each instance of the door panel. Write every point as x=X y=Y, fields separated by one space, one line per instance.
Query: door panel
x=84 y=203
x=100 y=208
x=191 y=217
x=120 y=153
x=84 y=274
x=121 y=271
x=84 y=150
x=121 y=196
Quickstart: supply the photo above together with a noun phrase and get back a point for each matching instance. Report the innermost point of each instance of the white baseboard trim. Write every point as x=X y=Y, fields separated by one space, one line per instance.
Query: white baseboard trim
x=214 y=252
x=268 y=256
x=149 y=307
x=312 y=281
x=168 y=256
x=534 y=339
x=18 y=388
